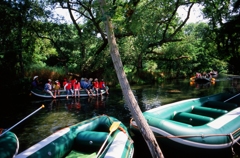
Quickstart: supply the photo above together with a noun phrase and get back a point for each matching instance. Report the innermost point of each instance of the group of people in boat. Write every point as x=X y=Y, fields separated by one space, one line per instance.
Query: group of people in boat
x=212 y=72
x=204 y=74
x=72 y=87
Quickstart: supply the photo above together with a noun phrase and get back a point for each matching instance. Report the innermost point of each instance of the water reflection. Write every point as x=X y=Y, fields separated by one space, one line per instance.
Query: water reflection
x=202 y=85
x=60 y=113
x=74 y=105
x=152 y=96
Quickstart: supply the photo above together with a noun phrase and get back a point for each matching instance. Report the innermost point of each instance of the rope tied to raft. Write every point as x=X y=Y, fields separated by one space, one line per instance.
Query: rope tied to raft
x=232 y=139
x=209 y=135
x=186 y=136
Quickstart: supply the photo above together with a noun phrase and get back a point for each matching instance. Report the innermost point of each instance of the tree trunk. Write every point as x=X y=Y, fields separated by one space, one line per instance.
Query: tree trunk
x=127 y=92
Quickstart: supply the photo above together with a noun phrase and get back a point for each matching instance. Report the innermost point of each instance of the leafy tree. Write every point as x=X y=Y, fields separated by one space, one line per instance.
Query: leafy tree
x=141 y=26
x=224 y=25
x=16 y=36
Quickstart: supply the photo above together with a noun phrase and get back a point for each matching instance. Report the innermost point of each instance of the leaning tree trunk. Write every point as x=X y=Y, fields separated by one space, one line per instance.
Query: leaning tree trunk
x=127 y=92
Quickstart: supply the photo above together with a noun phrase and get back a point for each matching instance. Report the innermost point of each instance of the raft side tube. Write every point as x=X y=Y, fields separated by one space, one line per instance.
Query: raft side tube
x=192 y=119
x=220 y=105
x=210 y=112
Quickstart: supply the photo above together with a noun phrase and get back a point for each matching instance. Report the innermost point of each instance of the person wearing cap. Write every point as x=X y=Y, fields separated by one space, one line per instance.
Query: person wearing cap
x=56 y=87
x=36 y=83
x=48 y=88
x=102 y=86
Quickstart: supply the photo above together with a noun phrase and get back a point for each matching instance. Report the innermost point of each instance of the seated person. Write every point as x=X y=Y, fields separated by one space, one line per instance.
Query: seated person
x=84 y=85
x=68 y=88
x=36 y=84
x=48 y=88
x=96 y=86
x=57 y=87
x=103 y=86
x=76 y=88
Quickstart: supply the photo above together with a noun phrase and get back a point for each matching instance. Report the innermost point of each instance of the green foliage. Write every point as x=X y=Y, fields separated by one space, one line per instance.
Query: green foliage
x=46 y=72
x=151 y=38
x=224 y=30
x=150 y=66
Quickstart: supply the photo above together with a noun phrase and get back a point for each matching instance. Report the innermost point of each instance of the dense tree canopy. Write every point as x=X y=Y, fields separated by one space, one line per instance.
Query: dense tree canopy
x=153 y=40
x=224 y=27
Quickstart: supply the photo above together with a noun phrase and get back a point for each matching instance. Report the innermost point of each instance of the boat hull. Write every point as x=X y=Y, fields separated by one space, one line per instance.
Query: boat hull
x=43 y=94
x=84 y=139
x=202 y=79
x=203 y=124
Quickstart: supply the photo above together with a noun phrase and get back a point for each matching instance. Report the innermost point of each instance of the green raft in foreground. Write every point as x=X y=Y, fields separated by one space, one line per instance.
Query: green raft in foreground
x=84 y=140
x=9 y=145
x=201 y=124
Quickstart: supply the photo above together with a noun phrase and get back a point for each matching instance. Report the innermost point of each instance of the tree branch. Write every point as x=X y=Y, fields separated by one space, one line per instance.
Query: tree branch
x=170 y=39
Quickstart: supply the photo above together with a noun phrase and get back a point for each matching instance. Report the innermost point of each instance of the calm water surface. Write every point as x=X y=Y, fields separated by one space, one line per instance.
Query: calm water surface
x=60 y=113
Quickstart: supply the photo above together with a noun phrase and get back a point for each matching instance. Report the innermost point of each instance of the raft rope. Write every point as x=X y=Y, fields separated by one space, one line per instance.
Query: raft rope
x=231 y=137
x=202 y=135
x=186 y=136
x=209 y=135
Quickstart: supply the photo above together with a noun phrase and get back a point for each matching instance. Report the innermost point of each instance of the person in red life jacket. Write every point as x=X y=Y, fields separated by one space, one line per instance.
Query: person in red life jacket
x=73 y=82
x=68 y=88
x=96 y=86
x=102 y=86
x=76 y=87
x=48 y=88
x=56 y=88
x=64 y=82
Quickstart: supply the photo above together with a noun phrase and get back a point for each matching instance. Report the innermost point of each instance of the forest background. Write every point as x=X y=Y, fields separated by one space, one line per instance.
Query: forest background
x=155 y=43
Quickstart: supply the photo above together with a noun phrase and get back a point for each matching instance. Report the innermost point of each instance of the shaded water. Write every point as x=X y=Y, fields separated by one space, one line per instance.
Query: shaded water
x=60 y=113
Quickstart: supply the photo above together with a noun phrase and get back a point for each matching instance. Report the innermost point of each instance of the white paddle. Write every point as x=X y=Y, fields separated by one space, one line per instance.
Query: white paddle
x=22 y=120
x=113 y=128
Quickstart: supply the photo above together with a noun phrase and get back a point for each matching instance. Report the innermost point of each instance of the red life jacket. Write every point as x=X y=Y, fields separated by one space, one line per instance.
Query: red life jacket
x=101 y=83
x=73 y=81
x=69 y=86
x=77 y=85
x=64 y=83
x=96 y=84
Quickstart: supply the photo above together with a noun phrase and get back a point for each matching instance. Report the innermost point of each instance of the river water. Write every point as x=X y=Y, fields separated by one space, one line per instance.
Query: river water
x=59 y=113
